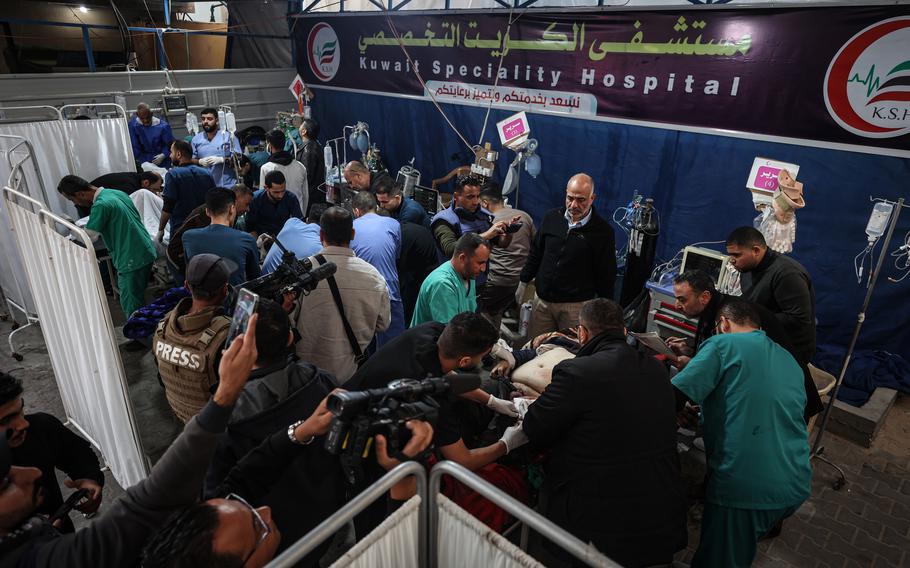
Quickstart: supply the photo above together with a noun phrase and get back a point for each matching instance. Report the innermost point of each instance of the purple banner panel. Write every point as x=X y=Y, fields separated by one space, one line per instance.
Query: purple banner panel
x=838 y=75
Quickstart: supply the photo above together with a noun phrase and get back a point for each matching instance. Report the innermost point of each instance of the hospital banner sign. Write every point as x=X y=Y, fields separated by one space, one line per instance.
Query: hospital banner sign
x=838 y=75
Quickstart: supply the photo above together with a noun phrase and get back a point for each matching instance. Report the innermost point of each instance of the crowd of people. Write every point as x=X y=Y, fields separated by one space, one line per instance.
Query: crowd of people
x=415 y=295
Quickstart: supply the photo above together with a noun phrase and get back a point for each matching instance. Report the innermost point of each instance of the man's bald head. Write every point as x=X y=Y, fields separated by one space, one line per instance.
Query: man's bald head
x=356 y=174
x=579 y=196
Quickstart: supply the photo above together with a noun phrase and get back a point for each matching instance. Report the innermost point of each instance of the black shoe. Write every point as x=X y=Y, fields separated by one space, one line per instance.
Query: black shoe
x=775 y=531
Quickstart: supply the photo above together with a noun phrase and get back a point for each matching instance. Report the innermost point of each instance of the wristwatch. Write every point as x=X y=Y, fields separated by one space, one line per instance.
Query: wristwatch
x=294 y=439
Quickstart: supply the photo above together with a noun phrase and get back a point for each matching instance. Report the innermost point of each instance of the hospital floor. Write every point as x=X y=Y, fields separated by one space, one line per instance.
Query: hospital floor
x=864 y=524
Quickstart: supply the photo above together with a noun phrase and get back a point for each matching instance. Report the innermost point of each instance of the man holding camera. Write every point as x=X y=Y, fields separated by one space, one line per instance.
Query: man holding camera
x=117 y=536
x=433 y=350
x=230 y=531
x=280 y=389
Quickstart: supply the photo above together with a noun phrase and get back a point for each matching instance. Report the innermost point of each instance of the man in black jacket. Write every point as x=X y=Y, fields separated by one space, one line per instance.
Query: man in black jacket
x=312 y=157
x=280 y=390
x=609 y=417
x=40 y=440
x=117 y=536
x=776 y=282
x=697 y=298
x=230 y=532
x=572 y=259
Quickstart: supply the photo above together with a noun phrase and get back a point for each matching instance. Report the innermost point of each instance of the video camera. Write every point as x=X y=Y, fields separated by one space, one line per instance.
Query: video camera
x=292 y=275
x=360 y=415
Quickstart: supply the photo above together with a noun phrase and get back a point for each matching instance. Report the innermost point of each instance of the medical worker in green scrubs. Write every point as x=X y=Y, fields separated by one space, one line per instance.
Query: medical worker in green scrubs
x=752 y=398
x=116 y=219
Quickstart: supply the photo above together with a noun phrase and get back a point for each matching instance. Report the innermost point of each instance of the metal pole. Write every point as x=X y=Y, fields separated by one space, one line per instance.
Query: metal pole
x=167 y=12
x=162 y=58
x=89 y=56
x=860 y=318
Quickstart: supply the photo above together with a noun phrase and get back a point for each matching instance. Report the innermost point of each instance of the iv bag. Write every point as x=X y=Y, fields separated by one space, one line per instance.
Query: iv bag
x=192 y=123
x=230 y=122
x=878 y=221
x=221 y=119
x=327 y=157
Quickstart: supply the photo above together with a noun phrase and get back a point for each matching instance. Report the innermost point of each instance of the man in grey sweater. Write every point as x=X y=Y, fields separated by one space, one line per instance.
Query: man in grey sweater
x=778 y=283
x=117 y=537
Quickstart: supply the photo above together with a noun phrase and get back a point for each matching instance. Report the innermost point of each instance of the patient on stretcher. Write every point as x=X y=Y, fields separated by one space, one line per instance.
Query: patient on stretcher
x=531 y=368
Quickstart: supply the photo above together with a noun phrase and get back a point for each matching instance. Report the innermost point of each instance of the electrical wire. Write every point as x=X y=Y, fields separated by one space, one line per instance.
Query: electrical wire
x=859 y=261
x=423 y=83
x=167 y=70
x=502 y=56
x=902 y=259
x=126 y=39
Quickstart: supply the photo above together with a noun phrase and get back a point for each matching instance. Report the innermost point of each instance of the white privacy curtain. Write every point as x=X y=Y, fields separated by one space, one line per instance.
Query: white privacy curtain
x=98 y=146
x=46 y=138
x=87 y=148
x=393 y=543
x=77 y=329
x=465 y=541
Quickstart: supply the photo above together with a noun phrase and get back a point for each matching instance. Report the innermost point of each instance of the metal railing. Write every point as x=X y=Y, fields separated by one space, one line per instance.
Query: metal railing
x=326 y=529
x=428 y=519
x=585 y=552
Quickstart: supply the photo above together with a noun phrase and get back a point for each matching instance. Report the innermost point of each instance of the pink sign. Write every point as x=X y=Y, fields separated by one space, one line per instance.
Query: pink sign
x=513 y=129
x=766 y=178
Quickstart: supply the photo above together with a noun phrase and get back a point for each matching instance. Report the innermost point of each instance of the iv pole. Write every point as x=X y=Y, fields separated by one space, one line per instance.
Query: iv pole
x=817 y=448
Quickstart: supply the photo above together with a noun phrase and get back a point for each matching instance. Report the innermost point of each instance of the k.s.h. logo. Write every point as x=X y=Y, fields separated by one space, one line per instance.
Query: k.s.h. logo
x=867 y=86
x=323 y=53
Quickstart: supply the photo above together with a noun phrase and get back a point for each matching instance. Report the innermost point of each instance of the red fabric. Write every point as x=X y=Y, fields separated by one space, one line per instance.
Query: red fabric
x=511 y=480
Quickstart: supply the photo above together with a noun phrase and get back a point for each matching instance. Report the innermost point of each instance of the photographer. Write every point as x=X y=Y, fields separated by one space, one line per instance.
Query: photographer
x=281 y=389
x=229 y=531
x=433 y=350
x=116 y=538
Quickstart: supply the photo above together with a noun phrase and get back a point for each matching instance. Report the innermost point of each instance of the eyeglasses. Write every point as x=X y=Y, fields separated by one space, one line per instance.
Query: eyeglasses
x=259 y=524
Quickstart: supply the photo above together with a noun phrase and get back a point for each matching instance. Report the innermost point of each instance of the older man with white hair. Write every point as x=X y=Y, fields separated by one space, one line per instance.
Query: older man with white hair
x=572 y=260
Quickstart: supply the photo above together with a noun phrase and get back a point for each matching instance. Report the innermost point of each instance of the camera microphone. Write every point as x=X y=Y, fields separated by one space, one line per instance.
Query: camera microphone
x=323 y=271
